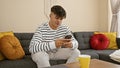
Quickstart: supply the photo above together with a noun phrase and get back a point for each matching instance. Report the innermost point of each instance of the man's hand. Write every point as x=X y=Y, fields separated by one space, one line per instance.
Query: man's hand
x=67 y=44
x=58 y=43
x=63 y=42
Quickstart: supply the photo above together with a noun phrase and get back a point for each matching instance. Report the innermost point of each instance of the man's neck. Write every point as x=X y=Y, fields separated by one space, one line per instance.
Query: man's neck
x=52 y=26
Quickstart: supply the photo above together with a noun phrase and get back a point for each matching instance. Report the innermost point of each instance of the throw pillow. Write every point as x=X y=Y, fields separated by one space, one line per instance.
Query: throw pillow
x=115 y=55
x=6 y=33
x=1 y=56
x=99 y=41
x=1 y=35
x=11 y=47
x=112 y=37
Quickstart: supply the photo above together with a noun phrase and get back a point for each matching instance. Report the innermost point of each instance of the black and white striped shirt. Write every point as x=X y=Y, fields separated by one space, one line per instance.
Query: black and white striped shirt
x=43 y=38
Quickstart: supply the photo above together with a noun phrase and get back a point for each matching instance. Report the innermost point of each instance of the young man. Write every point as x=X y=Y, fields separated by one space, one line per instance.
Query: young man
x=48 y=40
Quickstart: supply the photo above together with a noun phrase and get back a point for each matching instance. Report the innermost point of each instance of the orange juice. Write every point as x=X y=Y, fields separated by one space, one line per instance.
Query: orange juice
x=84 y=61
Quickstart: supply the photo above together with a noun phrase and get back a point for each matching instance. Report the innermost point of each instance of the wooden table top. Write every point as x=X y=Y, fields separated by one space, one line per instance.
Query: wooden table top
x=95 y=63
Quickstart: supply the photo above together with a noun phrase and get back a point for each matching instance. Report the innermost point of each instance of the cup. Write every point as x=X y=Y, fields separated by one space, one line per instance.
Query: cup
x=84 y=61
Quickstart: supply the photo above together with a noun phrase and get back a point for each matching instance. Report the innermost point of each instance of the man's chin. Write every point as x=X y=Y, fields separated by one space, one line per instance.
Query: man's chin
x=57 y=25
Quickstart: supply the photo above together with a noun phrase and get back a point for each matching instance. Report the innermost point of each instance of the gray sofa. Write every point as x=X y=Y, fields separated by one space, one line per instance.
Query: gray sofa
x=84 y=46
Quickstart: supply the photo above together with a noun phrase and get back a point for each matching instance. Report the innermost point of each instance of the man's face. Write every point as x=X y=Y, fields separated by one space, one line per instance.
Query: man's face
x=55 y=20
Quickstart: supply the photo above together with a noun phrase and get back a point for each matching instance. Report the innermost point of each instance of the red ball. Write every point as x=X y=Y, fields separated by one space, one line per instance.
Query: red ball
x=99 y=41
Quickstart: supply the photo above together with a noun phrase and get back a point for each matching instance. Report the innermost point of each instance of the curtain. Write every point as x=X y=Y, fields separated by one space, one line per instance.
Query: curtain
x=115 y=23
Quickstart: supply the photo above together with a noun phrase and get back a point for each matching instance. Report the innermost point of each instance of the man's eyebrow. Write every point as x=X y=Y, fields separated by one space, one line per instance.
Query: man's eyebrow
x=62 y=17
x=58 y=17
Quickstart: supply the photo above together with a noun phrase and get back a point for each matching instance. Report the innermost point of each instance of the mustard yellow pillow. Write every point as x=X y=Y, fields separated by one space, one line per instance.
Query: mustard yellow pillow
x=3 y=34
x=112 y=37
x=1 y=56
x=6 y=33
x=11 y=48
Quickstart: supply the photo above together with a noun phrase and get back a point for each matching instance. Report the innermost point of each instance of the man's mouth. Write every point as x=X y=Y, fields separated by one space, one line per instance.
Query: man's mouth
x=57 y=23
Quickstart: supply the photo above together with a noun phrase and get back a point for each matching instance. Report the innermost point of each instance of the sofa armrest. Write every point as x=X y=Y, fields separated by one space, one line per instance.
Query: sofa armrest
x=118 y=42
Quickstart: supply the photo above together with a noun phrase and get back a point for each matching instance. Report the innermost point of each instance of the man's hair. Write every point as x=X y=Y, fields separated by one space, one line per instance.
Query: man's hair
x=59 y=11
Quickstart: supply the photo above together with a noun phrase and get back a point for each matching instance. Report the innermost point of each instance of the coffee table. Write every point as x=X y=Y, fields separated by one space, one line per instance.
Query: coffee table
x=95 y=63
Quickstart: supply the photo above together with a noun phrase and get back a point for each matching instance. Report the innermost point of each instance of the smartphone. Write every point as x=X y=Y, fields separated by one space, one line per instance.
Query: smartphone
x=68 y=37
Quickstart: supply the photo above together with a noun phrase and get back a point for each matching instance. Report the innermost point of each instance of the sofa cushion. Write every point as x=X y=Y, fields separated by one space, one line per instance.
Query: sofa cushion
x=56 y=62
x=99 y=42
x=26 y=62
x=11 y=47
x=104 y=55
x=1 y=35
x=112 y=37
x=24 y=39
x=91 y=52
x=83 y=39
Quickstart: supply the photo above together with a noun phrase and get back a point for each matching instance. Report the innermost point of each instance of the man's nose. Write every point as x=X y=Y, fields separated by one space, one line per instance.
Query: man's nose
x=58 y=20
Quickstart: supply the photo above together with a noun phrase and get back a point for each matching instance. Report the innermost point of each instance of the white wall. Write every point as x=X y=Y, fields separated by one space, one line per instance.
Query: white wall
x=103 y=22
x=27 y=15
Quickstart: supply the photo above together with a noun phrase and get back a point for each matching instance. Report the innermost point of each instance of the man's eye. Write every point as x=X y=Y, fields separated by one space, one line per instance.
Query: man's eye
x=59 y=18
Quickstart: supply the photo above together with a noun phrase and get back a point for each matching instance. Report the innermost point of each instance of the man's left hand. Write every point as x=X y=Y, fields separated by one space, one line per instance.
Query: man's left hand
x=67 y=44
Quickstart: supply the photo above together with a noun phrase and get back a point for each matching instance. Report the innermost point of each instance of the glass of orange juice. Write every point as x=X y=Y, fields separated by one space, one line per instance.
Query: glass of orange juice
x=84 y=61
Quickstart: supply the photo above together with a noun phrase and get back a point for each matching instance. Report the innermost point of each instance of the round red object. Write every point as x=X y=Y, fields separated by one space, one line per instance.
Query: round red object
x=99 y=41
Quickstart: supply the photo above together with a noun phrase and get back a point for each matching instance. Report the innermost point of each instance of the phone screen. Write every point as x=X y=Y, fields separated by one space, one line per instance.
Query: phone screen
x=68 y=37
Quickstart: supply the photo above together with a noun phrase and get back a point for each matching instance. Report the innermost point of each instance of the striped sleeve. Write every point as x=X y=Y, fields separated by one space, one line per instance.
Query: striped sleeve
x=37 y=44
